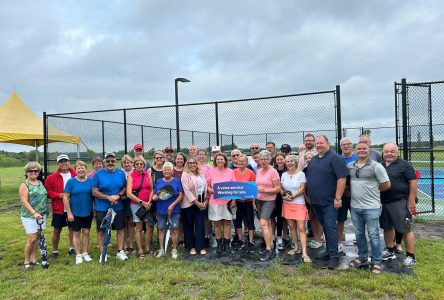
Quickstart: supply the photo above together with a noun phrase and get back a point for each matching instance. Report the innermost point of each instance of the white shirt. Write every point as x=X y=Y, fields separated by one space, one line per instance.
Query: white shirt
x=292 y=183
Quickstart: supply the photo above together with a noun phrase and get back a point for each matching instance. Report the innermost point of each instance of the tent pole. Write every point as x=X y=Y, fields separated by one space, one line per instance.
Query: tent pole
x=36 y=152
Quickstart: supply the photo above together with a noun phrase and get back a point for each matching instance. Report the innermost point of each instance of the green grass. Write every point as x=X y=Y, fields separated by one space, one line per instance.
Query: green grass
x=167 y=278
x=10 y=179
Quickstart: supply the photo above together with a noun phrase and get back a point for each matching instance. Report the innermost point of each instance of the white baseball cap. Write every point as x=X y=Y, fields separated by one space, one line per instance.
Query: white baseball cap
x=215 y=149
x=62 y=156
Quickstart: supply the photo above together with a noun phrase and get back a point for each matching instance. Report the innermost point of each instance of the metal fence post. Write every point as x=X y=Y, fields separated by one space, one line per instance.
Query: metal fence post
x=141 y=127
x=171 y=137
x=45 y=145
x=232 y=141
x=405 y=153
x=217 y=123
x=103 y=139
x=338 y=120
x=192 y=137
x=125 y=138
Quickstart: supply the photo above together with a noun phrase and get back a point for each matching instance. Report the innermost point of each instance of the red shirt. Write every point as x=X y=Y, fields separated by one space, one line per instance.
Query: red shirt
x=54 y=187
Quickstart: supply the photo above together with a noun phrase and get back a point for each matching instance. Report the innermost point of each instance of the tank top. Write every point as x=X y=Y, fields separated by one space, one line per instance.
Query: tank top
x=37 y=198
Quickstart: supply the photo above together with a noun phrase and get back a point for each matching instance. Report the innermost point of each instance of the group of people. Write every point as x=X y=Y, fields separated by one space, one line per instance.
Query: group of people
x=176 y=192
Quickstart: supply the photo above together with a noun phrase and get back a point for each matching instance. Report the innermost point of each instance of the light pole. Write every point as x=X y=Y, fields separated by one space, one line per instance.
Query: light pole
x=177 y=109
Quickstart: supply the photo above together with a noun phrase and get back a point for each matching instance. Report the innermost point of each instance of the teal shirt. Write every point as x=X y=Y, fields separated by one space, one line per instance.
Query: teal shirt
x=37 y=198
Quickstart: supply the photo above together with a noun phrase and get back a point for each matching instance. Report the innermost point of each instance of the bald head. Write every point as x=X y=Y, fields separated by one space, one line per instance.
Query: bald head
x=390 y=153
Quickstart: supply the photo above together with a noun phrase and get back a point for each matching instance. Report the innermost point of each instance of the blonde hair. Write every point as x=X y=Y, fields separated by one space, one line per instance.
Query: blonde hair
x=32 y=165
x=139 y=158
x=186 y=168
x=127 y=158
x=80 y=163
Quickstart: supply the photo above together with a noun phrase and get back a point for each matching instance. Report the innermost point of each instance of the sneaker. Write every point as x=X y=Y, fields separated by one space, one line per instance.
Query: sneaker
x=267 y=255
x=174 y=253
x=106 y=259
x=408 y=262
x=314 y=244
x=280 y=245
x=121 y=255
x=71 y=251
x=86 y=257
x=55 y=254
x=79 y=259
x=333 y=263
x=386 y=255
x=340 y=248
x=160 y=254
x=250 y=247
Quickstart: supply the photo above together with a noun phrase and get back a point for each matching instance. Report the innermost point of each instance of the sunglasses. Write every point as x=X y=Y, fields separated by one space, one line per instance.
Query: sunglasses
x=33 y=171
x=159 y=157
x=110 y=161
x=192 y=163
x=254 y=148
x=234 y=155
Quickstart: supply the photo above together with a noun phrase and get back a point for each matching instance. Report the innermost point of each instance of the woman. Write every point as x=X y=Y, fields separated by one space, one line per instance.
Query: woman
x=139 y=191
x=97 y=164
x=179 y=160
x=202 y=161
x=294 y=209
x=168 y=193
x=245 y=208
x=128 y=168
x=78 y=202
x=34 y=208
x=268 y=185
x=277 y=221
x=217 y=209
x=193 y=207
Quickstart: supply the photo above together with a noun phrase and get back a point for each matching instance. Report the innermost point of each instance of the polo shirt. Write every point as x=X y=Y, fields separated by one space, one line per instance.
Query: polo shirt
x=364 y=184
x=109 y=183
x=400 y=173
x=322 y=176
x=350 y=159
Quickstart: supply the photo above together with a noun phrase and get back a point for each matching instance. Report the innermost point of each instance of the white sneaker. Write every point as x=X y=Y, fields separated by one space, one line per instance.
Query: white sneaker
x=313 y=244
x=160 y=254
x=79 y=259
x=121 y=255
x=340 y=248
x=408 y=262
x=86 y=257
x=106 y=258
x=174 y=253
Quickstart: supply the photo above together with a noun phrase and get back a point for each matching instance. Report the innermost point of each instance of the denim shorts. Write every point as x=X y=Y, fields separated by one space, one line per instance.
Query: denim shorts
x=162 y=221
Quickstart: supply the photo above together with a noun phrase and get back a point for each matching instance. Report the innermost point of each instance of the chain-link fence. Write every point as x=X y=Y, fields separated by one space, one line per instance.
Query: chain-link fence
x=420 y=135
x=229 y=124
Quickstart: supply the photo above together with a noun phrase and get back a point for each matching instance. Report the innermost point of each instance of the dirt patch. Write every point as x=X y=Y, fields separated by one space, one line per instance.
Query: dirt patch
x=429 y=230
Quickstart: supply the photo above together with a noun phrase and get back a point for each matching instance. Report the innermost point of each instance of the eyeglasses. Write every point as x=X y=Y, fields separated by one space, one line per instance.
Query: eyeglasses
x=110 y=161
x=254 y=148
x=357 y=172
x=234 y=155
x=346 y=144
x=309 y=140
x=33 y=171
x=192 y=163
x=139 y=164
x=159 y=157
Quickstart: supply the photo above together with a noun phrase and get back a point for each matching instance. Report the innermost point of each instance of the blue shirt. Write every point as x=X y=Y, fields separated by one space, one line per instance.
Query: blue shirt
x=162 y=204
x=322 y=176
x=109 y=183
x=350 y=159
x=80 y=198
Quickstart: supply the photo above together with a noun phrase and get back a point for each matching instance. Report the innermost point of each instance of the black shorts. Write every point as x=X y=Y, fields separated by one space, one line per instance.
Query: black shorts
x=127 y=207
x=119 y=220
x=59 y=221
x=343 y=210
x=396 y=215
x=277 y=211
x=244 y=209
x=80 y=222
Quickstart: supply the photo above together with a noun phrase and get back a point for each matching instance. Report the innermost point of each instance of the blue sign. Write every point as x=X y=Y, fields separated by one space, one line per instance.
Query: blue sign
x=235 y=190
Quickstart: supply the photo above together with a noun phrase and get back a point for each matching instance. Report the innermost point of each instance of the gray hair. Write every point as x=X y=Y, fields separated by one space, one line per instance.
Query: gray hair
x=345 y=139
x=236 y=151
x=265 y=153
x=167 y=165
x=32 y=165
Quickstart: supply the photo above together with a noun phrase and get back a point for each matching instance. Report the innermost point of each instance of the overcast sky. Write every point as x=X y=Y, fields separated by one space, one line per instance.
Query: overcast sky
x=64 y=56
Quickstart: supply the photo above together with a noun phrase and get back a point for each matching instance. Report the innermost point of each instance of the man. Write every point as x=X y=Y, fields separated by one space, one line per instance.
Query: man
x=309 y=142
x=398 y=202
x=108 y=187
x=138 y=151
x=253 y=149
x=234 y=159
x=215 y=150
x=347 y=156
x=375 y=155
x=169 y=153
x=285 y=149
x=55 y=186
x=326 y=177
x=271 y=147
x=193 y=151
x=367 y=179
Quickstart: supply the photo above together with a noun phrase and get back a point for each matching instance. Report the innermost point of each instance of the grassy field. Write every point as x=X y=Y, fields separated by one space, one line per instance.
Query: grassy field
x=10 y=179
x=166 y=278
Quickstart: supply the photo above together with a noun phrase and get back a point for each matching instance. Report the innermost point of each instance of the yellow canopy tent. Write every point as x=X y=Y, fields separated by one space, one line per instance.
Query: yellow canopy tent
x=20 y=125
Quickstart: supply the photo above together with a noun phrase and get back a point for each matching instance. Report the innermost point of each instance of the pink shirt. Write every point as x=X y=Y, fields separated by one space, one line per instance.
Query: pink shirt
x=145 y=191
x=204 y=168
x=214 y=176
x=265 y=180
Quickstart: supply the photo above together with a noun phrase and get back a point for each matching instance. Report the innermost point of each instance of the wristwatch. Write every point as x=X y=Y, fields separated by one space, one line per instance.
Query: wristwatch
x=140 y=201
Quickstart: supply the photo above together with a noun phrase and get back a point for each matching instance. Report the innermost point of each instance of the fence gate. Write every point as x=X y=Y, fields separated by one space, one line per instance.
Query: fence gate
x=420 y=136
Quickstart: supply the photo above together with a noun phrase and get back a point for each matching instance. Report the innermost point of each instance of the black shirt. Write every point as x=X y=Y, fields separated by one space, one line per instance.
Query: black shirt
x=400 y=172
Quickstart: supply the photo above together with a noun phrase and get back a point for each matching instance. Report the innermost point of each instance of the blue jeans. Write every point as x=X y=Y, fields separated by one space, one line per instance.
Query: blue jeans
x=327 y=216
x=367 y=217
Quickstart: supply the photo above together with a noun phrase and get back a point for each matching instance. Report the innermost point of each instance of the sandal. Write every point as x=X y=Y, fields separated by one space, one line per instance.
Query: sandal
x=203 y=252
x=34 y=263
x=306 y=259
x=376 y=269
x=293 y=251
x=355 y=263
x=26 y=266
x=141 y=256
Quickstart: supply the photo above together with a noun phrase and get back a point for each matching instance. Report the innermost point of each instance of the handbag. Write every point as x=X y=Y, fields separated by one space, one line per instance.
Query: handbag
x=141 y=211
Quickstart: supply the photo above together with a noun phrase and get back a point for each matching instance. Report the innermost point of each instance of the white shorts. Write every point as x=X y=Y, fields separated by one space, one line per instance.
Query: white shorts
x=31 y=226
x=217 y=212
